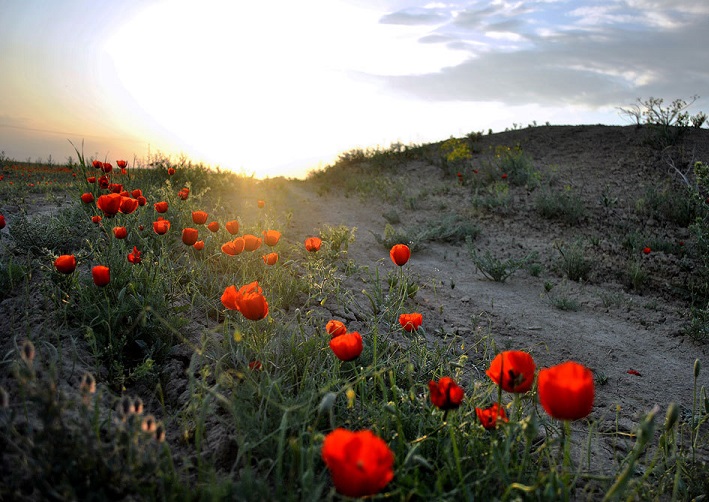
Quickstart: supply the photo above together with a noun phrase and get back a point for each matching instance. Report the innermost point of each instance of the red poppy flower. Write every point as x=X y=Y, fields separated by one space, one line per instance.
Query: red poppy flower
x=103 y=182
x=252 y=243
x=128 y=205
x=248 y=300
x=213 y=226
x=97 y=164
x=488 y=417
x=566 y=391
x=410 y=322
x=106 y=167
x=184 y=193
x=2 y=222
x=360 y=463
x=233 y=248
x=255 y=365
x=312 y=244
x=136 y=193
x=199 y=217
x=335 y=328
x=65 y=263
x=121 y=163
x=120 y=232
x=504 y=176
x=400 y=254
x=199 y=245
x=347 y=347
x=91 y=179
x=170 y=171
x=446 y=394
x=271 y=237
x=270 y=258
x=161 y=207
x=109 y=204
x=115 y=187
x=513 y=370
x=142 y=201
x=189 y=236
x=647 y=250
x=134 y=256
x=96 y=219
x=260 y=203
x=87 y=197
x=161 y=226
x=101 y=275
x=232 y=227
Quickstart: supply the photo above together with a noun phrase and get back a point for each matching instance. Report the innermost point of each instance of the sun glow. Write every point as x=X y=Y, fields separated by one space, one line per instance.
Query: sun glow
x=264 y=93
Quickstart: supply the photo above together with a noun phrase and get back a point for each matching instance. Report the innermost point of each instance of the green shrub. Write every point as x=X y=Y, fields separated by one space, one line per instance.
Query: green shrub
x=564 y=206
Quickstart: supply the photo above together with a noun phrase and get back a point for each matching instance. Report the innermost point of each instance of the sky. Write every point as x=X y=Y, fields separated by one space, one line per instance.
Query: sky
x=281 y=87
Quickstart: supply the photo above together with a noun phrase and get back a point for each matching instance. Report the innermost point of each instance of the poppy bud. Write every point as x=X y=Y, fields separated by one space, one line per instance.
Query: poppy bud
x=189 y=236
x=65 y=263
x=400 y=254
x=120 y=232
x=87 y=197
x=101 y=275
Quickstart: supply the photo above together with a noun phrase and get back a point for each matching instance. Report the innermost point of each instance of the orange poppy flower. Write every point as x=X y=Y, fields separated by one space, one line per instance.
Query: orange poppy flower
x=189 y=236
x=184 y=193
x=128 y=205
x=566 y=391
x=121 y=163
x=410 y=322
x=446 y=394
x=252 y=243
x=260 y=203
x=347 y=347
x=199 y=245
x=488 y=417
x=65 y=263
x=360 y=463
x=134 y=256
x=335 y=328
x=313 y=244
x=232 y=227
x=271 y=237
x=248 y=300
x=87 y=197
x=170 y=171
x=161 y=207
x=101 y=275
x=400 y=254
x=109 y=204
x=161 y=226
x=270 y=258
x=96 y=219
x=120 y=232
x=513 y=370
x=213 y=226
x=199 y=217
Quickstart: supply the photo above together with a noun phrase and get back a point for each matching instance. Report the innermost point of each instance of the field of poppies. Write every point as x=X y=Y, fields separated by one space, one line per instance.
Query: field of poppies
x=167 y=335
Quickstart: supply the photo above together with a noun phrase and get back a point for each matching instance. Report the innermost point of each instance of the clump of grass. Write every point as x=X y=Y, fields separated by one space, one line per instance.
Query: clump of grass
x=574 y=262
x=564 y=206
x=494 y=268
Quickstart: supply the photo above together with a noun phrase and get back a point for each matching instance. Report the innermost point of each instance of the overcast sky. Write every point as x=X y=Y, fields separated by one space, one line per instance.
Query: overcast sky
x=281 y=86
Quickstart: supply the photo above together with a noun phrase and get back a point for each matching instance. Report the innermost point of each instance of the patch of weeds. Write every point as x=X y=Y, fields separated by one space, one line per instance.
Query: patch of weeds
x=574 y=263
x=564 y=206
x=534 y=269
x=670 y=203
x=392 y=217
x=494 y=268
x=339 y=239
x=393 y=236
x=452 y=229
x=566 y=303
x=698 y=328
x=611 y=299
x=493 y=196
x=11 y=274
x=517 y=165
x=636 y=275
x=62 y=233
